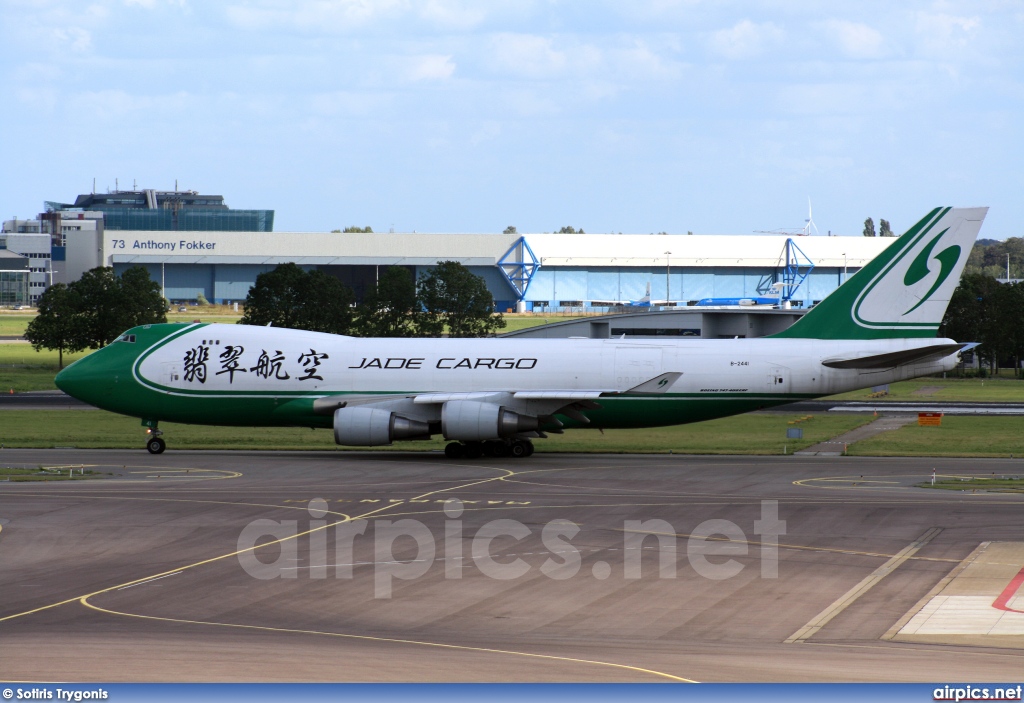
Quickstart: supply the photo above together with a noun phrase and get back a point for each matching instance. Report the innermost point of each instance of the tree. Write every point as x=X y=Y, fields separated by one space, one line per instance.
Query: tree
x=142 y=303
x=357 y=230
x=1009 y=323
x=389 y=309
x=869 y=227
x=94 y=310
x=511 y=229
x=111 y=304
x=453 y=297
x=325 y=304
x=972 y=315
x=274 y=298
x=569 y=229
x=100 y=310
x=290 y=297
x=58 y=324
x=990 y=256
x=884 y=230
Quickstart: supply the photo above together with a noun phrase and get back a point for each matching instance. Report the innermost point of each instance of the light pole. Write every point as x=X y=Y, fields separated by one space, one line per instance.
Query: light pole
x=844 y=267
x=668 y=273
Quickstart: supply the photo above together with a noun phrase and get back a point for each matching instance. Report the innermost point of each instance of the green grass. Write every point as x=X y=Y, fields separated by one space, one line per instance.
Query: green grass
x=25 y=369
x=514 y=323
x=203 y=315
x=1004 y=388
x=958 y=436
x=47 y=474
x=978 y=483
x=14 y=324
x=746 y=434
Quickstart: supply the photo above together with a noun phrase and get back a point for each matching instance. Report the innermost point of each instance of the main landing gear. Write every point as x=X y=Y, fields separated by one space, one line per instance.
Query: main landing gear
x=154 y=444
x=516 y=448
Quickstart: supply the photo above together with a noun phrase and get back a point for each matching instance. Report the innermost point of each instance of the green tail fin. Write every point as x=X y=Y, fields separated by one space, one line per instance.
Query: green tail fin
x=904 y=291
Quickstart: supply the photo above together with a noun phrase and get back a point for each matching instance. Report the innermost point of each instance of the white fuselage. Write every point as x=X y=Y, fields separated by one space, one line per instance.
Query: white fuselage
x=239 y=358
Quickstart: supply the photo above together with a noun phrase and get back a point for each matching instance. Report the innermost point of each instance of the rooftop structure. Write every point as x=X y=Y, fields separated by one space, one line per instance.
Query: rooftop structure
x=167 y=210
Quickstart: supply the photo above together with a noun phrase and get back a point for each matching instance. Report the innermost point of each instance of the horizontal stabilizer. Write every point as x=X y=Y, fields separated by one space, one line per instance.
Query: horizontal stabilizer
x=896 y=358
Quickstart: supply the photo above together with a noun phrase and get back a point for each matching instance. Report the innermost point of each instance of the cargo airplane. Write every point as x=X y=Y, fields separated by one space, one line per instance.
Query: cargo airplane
x=494 y=396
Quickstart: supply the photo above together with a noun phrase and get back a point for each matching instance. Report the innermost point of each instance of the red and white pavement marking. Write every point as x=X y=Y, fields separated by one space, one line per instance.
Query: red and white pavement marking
x=984 y=598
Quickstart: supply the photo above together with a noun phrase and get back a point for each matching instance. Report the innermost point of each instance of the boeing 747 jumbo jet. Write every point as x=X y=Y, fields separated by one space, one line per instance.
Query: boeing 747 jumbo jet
x=495 y=396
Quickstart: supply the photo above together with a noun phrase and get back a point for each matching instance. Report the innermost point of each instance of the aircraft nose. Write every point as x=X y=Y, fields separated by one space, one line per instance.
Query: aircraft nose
x=81 y=380
x=69 y=380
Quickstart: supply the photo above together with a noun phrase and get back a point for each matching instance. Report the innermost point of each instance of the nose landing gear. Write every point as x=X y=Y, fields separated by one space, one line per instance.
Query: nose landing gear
x=154 y=444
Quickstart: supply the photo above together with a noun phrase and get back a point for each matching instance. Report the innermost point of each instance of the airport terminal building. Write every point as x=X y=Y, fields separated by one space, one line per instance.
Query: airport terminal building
x=532 y=272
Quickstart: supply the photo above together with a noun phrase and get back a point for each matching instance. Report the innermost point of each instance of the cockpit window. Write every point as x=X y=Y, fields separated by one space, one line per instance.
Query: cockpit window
x=127 y=338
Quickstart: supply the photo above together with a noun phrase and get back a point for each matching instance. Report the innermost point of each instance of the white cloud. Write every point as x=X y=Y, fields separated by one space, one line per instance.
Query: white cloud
x=943 y=32
x=348 y=103
x=488 y=131
x=432 y=68
x=643 y=62
x=74 y=38
x=856 y=40
x=454 y=14
x=535 y=56
x=320 y=15
x=746 y=39
x=151 y=4
x=113 y=104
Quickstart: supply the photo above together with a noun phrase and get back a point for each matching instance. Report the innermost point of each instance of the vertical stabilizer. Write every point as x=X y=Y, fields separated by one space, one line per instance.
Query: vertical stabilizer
x=904 y=291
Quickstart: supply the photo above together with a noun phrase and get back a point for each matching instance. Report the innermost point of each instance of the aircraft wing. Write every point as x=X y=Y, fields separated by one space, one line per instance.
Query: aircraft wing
x=540 y=402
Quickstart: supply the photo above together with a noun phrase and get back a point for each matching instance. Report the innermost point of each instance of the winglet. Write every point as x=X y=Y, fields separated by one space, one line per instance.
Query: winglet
x=657 y=385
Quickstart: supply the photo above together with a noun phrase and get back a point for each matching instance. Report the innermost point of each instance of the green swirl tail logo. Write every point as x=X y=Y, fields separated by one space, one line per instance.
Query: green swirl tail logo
x=947 y=259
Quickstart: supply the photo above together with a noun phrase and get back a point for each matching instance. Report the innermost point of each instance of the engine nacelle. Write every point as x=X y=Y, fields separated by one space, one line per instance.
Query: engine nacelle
x=374 y=427
x=473 y=421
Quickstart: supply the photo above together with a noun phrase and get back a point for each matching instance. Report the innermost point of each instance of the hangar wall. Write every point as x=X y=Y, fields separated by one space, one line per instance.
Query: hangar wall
x=572 y=270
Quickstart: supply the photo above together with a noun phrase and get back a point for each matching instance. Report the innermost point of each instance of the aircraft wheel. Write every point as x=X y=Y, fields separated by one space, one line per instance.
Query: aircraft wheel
x=474 y=450
x=156 y=445
x=529 y=447
x=496 y=449
x=454 y=450
x=518 y=450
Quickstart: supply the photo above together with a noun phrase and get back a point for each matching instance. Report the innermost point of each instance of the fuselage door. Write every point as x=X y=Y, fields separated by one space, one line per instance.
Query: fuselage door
x=171 y=373
x=779 y=379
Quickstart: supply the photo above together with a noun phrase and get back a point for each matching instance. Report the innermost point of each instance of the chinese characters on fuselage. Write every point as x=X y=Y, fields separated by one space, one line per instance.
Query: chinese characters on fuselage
x=271 y=367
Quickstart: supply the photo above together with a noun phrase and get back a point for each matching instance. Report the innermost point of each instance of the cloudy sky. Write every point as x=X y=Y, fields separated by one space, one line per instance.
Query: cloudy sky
x=467 y=116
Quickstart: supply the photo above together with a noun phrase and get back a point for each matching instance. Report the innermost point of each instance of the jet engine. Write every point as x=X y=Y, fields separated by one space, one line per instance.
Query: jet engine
x=372 y=427
x=473 y=421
